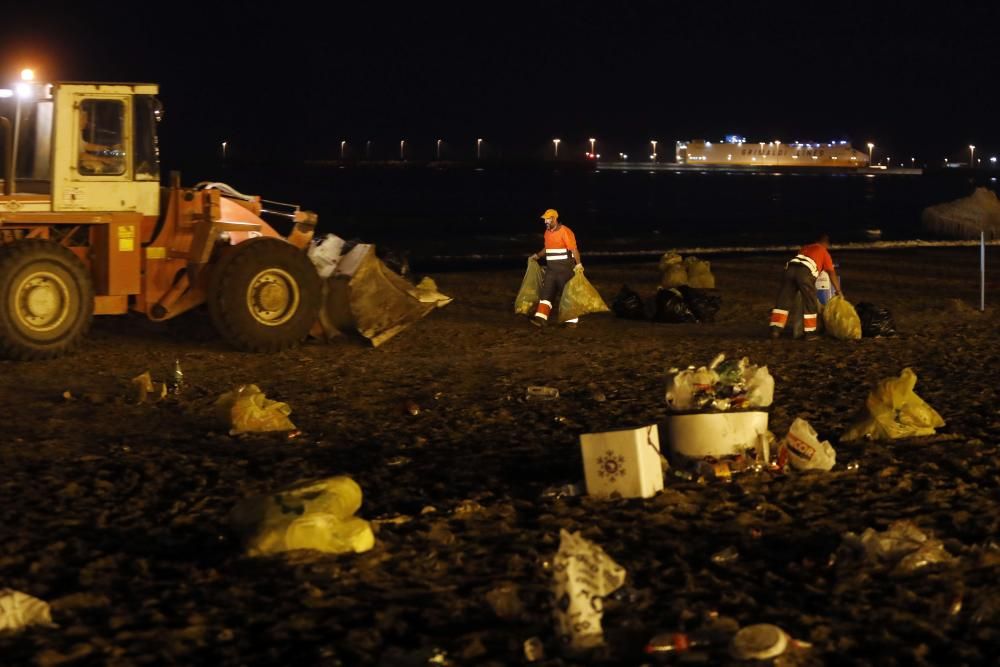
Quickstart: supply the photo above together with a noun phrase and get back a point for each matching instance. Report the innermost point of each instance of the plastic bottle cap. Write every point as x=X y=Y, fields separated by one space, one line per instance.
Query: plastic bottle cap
x=759 y=642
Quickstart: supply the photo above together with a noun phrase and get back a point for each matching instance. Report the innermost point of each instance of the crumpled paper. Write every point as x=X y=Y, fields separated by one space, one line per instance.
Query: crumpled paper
x=147 y=391
x=246 y=410
x=19 y=610
x=583 y=575
x=902 y=543
x=314 y=515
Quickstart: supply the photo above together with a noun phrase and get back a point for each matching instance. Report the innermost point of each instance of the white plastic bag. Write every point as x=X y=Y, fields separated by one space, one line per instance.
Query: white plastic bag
x=805 y=451
x=583 y=575
x=325 y=254
x=760 y=387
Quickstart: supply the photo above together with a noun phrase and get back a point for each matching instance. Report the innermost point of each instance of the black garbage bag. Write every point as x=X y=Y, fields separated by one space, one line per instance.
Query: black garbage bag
x=671 y=307
x=875 y=321
x=628 y=304
x=704 y=303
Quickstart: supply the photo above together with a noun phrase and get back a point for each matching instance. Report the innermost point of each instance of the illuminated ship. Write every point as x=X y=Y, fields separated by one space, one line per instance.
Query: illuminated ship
x=735 y=150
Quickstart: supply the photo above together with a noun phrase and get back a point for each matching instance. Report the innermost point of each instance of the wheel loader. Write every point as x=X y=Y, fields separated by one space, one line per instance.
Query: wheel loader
x=86 y=229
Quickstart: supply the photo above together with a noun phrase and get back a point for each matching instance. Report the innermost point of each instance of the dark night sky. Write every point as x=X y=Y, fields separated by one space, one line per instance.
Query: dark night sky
x=289 y=79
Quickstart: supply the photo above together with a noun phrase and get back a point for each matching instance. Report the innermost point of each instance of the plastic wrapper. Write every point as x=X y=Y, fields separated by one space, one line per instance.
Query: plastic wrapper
x=246 y=410
x=902 y=545
x=531 y=288
x=19 y=610
x=721 y=386
x=804 y=449
x=325 y=254
x=875 y=321
x=841 y=320
x=704 y=303
x=699 y=273
x=580 y=298
x=628 y=305
x=893 y=410
x=671 y=307
x=583 y=574
x=315 y=515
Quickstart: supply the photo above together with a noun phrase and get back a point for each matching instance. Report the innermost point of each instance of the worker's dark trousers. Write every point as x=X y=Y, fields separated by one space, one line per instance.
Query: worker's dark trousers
x=557 y=274
x=798 y=279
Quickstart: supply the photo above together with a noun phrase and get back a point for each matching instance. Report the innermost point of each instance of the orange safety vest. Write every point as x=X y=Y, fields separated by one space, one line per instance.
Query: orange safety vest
x=558 y=243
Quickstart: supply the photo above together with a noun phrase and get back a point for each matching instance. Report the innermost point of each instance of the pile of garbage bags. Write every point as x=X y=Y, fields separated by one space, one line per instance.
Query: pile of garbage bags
x=689 y=271
x=722 y=385
x=875 y=321
x=674 y=305
x=840 y=320
x=362 y=294
x=579 y=297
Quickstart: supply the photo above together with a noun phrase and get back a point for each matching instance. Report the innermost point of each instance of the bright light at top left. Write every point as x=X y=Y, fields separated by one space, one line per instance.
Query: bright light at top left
x=27 y=74
x=23 y=90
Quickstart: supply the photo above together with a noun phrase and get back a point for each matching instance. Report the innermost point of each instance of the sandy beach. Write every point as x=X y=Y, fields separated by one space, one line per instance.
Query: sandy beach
x=130 y=545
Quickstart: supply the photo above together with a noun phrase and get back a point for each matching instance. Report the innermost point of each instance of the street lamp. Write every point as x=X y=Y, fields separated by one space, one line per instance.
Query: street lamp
x=555 y=142
x=402 y=149
x=592 y=141
x=972 y=153
x=993 y=161
x=777 y=150
x=653 y=142
x=368 y=149
x=224 y=144
x=479 y=147
x=438 y=153
x=871 y=148
x=27 y=74
x=342 y=145
x=913 y=161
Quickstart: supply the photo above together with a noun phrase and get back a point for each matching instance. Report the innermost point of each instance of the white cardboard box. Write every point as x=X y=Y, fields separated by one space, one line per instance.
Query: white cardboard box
x=627 y=462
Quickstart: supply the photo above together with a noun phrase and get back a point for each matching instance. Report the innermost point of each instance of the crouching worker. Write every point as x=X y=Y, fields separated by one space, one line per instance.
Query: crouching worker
x=800 y=278
x=562 y=259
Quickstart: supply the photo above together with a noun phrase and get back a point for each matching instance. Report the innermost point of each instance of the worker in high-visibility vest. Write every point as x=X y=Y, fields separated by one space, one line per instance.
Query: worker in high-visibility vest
x=562 y=259
x=800 y=278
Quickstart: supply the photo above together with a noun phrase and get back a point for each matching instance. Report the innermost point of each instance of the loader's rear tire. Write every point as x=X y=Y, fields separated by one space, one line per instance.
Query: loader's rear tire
x=264 y=295
x=46 y=300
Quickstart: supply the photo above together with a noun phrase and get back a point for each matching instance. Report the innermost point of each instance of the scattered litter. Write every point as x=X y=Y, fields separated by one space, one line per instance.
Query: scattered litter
x=316 y=515
x=875 y=321
x=840 y=320
x=672 y=642
x=805 y=451
x=759 y=642
x=67 y=395
x=671 y=308
x=537 y=393
x=626 y=462
x=583 y=574
x=721 y=386
x=147 y=391
x=726 y=556
x=853 y=466
x=704 y=303
x=563 y=491
x=19 y=610
x=596 y=393
x=902 y=544
x=412 y=408
x=534 y=649
x=325 y=254
x=246 y=410
x=176 y=385
x=895 y=411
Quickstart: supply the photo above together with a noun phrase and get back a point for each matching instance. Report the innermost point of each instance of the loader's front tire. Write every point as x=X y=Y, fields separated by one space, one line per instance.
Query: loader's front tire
x=264 y=295
x=46 y=300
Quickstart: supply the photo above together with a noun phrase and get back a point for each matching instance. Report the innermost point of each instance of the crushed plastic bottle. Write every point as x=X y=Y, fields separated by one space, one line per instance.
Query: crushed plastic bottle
x=539 y=393
x=534 y=650
x=726 y=556
x=672 y=642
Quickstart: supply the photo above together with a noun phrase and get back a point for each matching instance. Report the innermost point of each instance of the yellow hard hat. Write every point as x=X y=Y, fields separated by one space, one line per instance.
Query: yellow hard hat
x=550 y=213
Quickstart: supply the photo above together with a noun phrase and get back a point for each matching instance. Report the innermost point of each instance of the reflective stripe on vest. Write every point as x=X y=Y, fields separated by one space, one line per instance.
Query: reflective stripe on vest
x=807 y=261
x=556 y=254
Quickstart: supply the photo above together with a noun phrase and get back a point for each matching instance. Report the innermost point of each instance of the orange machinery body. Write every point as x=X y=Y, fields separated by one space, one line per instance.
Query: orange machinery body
x=157 y=266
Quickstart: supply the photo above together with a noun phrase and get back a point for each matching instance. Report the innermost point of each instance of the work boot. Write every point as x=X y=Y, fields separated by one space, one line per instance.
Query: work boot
x=775 y=332
x=569 y=325
x=538 y=321
x=810 y=337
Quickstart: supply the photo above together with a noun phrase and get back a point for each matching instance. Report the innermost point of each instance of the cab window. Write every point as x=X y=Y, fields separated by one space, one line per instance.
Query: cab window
x=102 y=137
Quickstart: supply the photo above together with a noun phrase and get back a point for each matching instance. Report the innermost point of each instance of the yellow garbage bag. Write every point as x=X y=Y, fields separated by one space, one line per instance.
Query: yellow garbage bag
x=313 y=515
x=895 y=411
x=699 y=272
x=580 y=298
x=841 y=320
x=674 y=275
x=247 y=410
x=531 y=288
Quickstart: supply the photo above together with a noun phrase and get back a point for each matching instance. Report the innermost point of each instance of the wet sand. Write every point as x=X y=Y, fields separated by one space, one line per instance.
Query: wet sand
x=115 y=513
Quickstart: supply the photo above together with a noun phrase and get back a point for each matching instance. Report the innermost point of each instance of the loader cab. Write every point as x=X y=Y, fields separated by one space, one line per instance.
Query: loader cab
x=86 y=146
